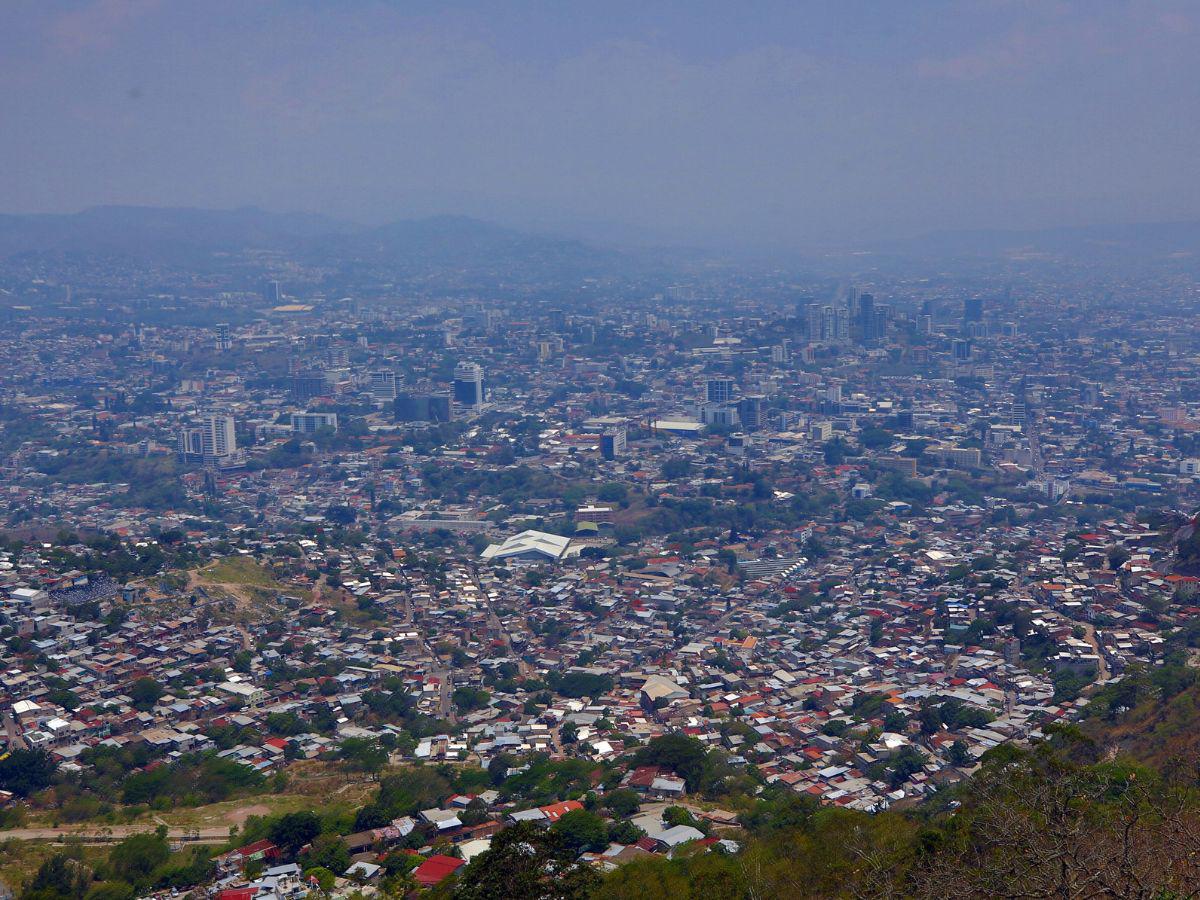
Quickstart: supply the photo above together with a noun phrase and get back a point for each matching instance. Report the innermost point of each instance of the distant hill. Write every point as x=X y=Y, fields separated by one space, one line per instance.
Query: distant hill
x=459 y=242
x=1097 y=244
x=158 y=232
x=193 y=236
x=199 y=237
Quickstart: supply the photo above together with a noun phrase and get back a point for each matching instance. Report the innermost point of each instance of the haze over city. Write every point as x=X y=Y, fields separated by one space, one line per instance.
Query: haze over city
x=599 y=451
x=790 y=125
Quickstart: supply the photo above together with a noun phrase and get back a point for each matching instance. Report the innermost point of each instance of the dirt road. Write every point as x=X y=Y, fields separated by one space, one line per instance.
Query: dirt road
x=116 y=833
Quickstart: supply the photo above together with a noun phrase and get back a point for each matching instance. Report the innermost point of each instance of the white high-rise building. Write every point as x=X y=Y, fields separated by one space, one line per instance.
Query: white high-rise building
x=218 y=437
x=383 y=384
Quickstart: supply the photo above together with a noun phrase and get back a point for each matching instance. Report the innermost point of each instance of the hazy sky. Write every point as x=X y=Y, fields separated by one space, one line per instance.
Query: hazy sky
x=735 y=122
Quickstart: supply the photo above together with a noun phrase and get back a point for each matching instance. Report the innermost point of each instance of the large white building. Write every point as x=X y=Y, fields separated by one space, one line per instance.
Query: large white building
x=534 y=545
x=383 y=385
x=309 y=422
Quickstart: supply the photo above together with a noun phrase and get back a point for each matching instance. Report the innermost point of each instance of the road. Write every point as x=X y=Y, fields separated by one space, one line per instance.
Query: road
x=496 y=627
x=1089 y=635
x=445 y=687
x=12 y=732
x=116 y=833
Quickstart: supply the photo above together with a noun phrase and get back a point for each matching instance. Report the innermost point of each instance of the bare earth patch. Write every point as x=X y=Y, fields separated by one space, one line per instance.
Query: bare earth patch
x=239 y=816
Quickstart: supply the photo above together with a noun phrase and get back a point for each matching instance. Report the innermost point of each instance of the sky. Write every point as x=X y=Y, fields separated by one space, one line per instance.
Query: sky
x=788 y=124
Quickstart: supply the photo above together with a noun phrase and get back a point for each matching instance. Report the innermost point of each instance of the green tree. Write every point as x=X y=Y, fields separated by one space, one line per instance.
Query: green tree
x=363 y=754
x=25 y=772
x=139 y=854
x=469 y=698
x=145 y=692
x=526 y=862
x=625 y=832
x=623 y=802
x=325 y=878
x=835 y=452
x=581 y=830
x=59 y=878
x=875 y=438
x=293 y=830
x=684 y=755
x=958 y=754
x=327 y=851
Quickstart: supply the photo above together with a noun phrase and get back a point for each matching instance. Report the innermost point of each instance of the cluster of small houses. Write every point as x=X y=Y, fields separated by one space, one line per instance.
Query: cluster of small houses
x=790 y=675
x=279 y=880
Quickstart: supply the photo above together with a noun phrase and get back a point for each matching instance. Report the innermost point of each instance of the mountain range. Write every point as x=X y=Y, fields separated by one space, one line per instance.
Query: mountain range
x=194 y=236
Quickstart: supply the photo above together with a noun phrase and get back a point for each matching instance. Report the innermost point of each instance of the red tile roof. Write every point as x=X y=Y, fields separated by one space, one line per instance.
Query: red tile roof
x=436 y=869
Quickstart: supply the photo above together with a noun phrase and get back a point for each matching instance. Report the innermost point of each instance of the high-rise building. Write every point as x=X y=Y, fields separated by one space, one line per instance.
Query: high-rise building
x=1017 y=415
x=383 y=385
x=220 y=436
x=719 y=390
x=814 y=319
x=468 y=384
x=214 y=440
x=224 y=341
x=750 y=411
x=866 y=317
x=719 y=414
x=883 y=316
x=973 y=309
x=853 y=297
x=613 y=443
x=272 y=293
x=841 y=332
x=422 y=408
x=309 y=384
x=191 y=444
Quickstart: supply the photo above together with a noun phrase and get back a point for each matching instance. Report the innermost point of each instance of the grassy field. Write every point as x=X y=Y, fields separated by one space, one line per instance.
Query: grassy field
x=240 y=570
x=19 y=860
x=312 y=784
x=235 y=812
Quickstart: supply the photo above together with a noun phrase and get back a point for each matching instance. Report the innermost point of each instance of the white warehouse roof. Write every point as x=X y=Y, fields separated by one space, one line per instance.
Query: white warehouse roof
x=530 y=545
